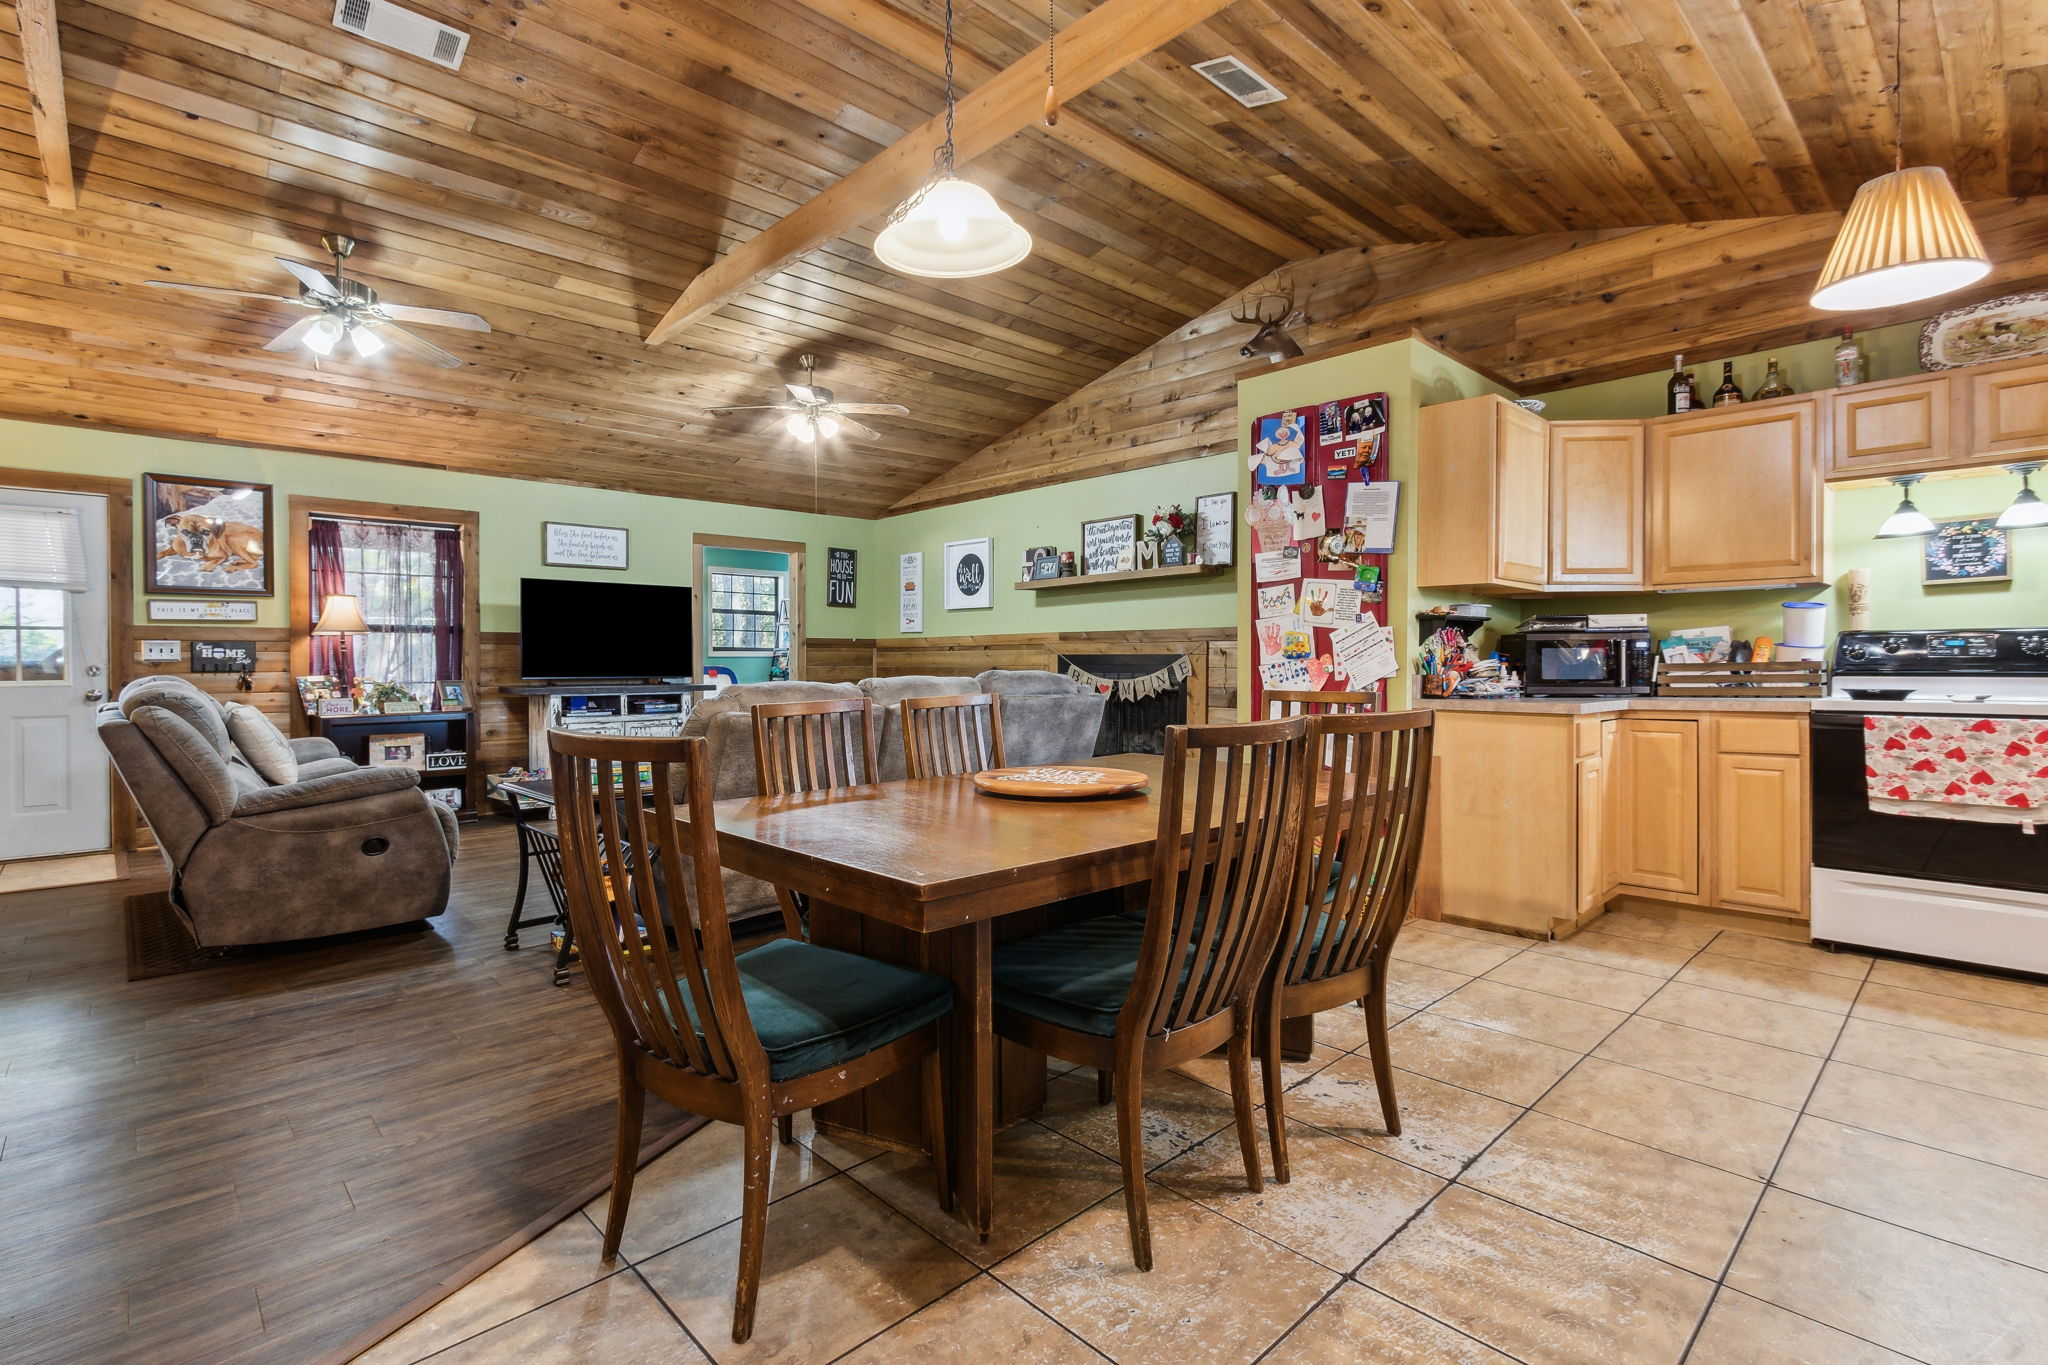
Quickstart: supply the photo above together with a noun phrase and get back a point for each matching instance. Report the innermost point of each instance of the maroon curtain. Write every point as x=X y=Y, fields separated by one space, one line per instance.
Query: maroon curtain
x=448 y=594
x=330 y=654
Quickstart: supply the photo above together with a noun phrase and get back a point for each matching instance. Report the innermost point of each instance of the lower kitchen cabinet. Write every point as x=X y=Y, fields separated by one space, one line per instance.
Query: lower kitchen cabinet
x=1538 y=820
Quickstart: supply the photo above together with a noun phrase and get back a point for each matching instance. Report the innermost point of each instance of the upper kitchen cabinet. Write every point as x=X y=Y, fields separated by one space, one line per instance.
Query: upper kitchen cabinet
x=1482 y=498
x=1735 y=497
x=1596 y=504
x=2008 y=412
x=1902 y=426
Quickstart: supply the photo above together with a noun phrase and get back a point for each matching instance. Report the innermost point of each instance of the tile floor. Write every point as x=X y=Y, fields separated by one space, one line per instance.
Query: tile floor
x=1654 y=1142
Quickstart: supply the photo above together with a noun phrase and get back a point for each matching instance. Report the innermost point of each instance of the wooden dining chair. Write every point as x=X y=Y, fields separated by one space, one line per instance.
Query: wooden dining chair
x=1354 y=878
x=1142 y=994
x=742 y=1039
x=1280 y=703
x=807 y=746
x=952 y=736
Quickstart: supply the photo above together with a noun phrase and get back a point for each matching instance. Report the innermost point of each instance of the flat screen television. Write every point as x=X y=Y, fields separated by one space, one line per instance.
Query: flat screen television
x=572 y=629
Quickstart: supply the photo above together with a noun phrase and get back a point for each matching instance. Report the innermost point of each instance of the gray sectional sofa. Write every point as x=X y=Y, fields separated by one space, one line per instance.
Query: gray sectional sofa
x=1047 y=718
x=271 y=839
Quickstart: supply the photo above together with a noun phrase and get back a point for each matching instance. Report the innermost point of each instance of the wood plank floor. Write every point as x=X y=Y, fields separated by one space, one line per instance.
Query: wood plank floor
x=258 y=1162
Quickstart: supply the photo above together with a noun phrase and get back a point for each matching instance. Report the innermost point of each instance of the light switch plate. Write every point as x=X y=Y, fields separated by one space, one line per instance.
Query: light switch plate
x=160 y=651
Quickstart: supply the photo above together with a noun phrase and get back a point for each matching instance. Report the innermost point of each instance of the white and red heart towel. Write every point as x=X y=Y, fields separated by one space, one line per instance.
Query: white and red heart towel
x=1997 y=762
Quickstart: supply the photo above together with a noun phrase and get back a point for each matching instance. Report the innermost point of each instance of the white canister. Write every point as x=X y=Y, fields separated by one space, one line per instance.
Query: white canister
x=1806 y=624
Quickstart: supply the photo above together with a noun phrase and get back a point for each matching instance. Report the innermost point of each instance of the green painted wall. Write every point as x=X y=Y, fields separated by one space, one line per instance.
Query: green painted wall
x=510 y=514
x=1808 y=366
x=746 y=667
x=1052 y=516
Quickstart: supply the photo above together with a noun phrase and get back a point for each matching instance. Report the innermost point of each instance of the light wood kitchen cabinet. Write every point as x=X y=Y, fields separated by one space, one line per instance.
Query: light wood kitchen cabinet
x=2008 y=413
x=1904 y=426
x=1596 y=504
x=1760 y=842
x=1735 y=497
x=1599 y=816
x=1481 y=504
x=1659 y=765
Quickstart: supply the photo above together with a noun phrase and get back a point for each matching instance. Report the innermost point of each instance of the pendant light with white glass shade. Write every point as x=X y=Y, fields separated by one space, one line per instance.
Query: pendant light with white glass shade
x=951 y=228
x=1907 y=235
x=2027 y=509
x=1908 y=520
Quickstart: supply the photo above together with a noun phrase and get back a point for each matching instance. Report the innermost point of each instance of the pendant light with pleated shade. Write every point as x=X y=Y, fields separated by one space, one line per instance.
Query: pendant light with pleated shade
x=1907 y=235
x=951 y=228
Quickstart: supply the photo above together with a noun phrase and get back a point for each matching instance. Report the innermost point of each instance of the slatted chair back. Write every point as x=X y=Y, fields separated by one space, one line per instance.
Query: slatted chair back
x=1218 y=893
x=651 y=970
x=805 y=746
x=952 y=736
x=1355 y=864
x=1281 y=704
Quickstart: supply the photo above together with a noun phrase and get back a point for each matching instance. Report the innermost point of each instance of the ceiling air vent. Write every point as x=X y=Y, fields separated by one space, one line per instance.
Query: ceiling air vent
x=1240 y=82
x=383 y=22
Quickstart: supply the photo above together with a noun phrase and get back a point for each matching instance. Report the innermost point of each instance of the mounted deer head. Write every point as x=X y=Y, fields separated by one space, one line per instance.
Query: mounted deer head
x=1268 y=312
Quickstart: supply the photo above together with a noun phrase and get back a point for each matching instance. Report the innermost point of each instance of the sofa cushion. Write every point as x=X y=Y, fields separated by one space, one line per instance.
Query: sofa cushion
x=262 y=744
x=184 y=701
x=814 y=1008
x=1025 y=682
x=207 y=777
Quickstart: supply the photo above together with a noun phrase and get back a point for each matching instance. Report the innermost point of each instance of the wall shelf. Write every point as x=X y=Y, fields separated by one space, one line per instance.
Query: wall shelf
x=1092 y=580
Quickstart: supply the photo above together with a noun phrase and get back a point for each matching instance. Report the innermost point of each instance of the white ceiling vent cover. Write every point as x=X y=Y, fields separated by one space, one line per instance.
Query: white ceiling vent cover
x=383 y=22
x=1240 y=82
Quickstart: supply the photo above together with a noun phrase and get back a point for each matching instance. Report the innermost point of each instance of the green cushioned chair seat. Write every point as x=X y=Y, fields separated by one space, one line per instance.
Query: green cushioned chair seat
x=1076 y=977
x=815 y=1008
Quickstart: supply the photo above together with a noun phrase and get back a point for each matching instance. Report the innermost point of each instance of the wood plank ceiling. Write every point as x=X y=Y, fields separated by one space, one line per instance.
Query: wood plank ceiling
x=592 y=156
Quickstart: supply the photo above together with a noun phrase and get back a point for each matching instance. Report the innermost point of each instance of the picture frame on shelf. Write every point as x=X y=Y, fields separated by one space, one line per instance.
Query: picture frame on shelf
x=318 y=687
x=1216 y=528
x=451 y=694
x=1109 y=544
x=447 y=761
x=1036 y=555
x=206 y=537
x=334 y=707
x=399 y=750
x=1046 y=566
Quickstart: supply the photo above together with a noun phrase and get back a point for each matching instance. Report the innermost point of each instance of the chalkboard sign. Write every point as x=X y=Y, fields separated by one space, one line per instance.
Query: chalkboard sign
x=1105 y=543
x=840 y=573
x=1967 y=550
x=223 y=656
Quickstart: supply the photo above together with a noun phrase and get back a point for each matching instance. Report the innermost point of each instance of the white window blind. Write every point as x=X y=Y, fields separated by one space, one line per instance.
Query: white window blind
x=41 y=547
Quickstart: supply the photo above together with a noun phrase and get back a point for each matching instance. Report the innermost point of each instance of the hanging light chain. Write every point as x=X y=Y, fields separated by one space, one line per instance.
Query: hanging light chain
x=946 y=152
x=1052 y=99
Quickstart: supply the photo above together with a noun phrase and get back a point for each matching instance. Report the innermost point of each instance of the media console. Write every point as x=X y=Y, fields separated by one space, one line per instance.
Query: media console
x=601 y=708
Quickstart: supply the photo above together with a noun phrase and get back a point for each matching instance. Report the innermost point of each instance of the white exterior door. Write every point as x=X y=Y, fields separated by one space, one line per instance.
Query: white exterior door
x=53 y=669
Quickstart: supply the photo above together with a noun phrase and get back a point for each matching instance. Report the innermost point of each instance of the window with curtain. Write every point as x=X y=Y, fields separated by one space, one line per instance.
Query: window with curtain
x=408 y=580
x=746 y=612
x=42 y=562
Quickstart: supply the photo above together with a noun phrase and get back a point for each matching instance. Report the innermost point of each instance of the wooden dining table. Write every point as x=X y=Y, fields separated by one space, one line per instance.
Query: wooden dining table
x=932 y=873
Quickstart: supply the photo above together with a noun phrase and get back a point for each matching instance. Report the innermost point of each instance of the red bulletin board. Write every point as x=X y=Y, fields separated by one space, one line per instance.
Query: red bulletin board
x=1298 y=454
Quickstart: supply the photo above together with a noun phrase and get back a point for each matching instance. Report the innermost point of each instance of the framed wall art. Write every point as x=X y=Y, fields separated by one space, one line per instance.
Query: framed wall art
x=1216 y=527
x=1966 y=550
x=565 y=545
x=969 y=583
x=1109 y=545
x=842 y=575
x=206 y=537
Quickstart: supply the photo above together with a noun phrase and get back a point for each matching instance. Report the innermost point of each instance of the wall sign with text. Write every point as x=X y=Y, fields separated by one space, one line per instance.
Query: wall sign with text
x=841 y=572
x=564 y=545
x=1967 y=550
x=970 y=580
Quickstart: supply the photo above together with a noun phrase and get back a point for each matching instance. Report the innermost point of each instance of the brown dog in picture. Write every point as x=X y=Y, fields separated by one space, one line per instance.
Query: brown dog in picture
x=216 y=544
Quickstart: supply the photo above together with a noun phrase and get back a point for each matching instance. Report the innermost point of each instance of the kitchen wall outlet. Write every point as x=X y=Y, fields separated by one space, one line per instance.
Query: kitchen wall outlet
x=160 y=651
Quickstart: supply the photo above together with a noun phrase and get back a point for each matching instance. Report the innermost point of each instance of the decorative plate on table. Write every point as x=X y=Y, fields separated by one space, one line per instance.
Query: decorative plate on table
x=1060 y=782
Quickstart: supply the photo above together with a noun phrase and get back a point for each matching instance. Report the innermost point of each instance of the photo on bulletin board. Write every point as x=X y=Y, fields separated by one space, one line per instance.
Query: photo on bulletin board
x=1967 y=550
x=1280 y=449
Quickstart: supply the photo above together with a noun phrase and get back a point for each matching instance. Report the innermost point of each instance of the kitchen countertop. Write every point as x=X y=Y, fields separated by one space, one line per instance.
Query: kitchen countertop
x=1594 y=706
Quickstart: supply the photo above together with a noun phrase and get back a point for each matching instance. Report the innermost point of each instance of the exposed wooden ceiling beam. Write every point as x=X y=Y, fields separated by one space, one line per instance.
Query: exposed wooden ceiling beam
x=43 y=65
x=1098 y=45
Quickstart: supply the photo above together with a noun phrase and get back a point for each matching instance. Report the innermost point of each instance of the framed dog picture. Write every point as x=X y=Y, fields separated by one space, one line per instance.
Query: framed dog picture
x=206 y=537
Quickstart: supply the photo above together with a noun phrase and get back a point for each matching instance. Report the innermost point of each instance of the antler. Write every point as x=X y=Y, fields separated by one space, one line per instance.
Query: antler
x=1252 y=309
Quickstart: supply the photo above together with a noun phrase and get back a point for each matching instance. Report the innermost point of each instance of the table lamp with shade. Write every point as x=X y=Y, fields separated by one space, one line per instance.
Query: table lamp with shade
x=341 y=615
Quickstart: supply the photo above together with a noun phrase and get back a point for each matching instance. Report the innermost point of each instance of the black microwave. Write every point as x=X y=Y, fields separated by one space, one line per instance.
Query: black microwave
x=1580 y=663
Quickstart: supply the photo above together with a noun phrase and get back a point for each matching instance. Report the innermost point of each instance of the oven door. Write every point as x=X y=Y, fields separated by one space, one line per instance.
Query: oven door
x=1574 y=663
x=1848 y=835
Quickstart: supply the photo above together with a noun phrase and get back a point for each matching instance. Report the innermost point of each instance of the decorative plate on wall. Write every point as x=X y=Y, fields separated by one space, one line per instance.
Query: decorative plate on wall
x=2010 y=328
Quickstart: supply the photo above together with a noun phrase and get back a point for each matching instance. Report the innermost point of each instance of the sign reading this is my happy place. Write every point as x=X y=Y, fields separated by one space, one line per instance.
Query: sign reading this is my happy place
x=565 y=545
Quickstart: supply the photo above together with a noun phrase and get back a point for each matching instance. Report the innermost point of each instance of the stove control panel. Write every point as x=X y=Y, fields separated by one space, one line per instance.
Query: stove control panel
x=1964 y=653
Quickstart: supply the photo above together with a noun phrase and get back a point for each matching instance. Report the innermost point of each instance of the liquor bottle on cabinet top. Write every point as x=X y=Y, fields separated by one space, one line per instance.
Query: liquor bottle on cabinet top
x=1680 y=393
x=1774 y=385
x=1730 y=392
x=1851 y=366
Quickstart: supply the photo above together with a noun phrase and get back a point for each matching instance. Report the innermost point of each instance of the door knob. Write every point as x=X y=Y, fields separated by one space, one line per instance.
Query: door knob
x=95 y=696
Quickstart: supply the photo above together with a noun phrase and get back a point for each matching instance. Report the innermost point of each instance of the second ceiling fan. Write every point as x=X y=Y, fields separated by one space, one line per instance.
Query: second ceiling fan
x=813 y=412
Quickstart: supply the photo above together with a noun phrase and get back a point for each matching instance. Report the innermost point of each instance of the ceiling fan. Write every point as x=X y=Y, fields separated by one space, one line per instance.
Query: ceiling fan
x=814 y=414
x=343 y=307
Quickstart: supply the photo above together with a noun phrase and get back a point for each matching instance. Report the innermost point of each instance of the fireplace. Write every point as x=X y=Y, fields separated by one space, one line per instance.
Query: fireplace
x=1137 y=724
